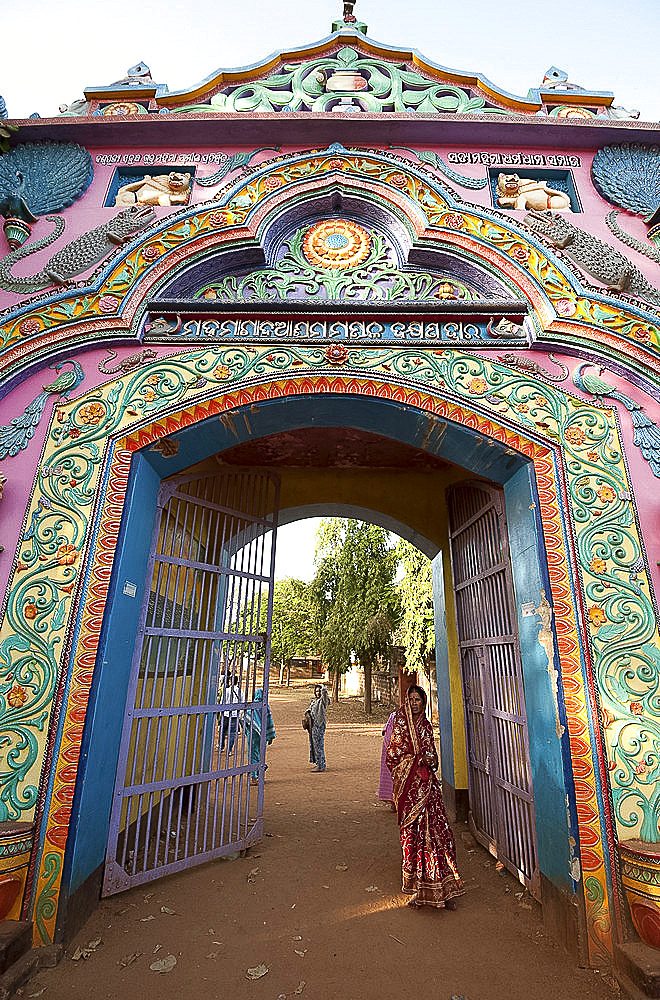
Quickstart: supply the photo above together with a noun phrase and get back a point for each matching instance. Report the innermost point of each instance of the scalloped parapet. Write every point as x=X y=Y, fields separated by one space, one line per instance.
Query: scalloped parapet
x=349 y=73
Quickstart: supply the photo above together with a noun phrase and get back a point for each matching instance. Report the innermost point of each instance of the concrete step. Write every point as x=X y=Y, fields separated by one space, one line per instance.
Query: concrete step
x=15 y=940
x=27 y=966
x=19 y=973
x=638 y=970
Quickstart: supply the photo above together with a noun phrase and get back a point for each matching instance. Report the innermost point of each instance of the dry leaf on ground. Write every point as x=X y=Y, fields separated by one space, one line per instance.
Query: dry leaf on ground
x=163 y=964
x=129 y=959
x=166 y=909
x=371 y=888
x=257 y=971
x=341 y=868
x=86 y=950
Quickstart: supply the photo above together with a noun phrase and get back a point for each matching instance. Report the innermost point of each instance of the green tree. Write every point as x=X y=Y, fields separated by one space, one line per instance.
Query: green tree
x=331 y=639
x=293 y=632
x=360 y=607
x=415 y=630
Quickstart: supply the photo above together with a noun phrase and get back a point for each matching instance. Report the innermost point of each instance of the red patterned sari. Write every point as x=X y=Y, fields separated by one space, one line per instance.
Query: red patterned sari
x=427 y=841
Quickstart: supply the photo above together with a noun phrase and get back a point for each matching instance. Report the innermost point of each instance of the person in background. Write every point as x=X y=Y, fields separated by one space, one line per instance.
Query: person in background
x=318 y=709
x=232 y=719
x=386 y=788
x=253 y=732
x=429 y=874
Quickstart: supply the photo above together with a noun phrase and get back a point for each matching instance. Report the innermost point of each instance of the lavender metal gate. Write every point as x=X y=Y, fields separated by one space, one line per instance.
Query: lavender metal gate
x=183 y=792
x=499 y=775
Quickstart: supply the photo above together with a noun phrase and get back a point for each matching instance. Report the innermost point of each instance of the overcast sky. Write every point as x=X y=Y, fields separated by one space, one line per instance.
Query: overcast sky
x=51 y=51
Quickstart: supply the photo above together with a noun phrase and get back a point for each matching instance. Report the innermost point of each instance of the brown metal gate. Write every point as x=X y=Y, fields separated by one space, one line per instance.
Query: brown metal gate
x=194 y=733
x=499 y=774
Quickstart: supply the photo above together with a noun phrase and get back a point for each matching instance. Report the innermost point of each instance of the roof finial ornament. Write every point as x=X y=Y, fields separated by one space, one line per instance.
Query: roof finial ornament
x=349 y=20
x=349 y=16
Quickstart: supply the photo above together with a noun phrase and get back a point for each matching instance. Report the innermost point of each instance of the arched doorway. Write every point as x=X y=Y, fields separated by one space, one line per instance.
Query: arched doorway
x=386 y=472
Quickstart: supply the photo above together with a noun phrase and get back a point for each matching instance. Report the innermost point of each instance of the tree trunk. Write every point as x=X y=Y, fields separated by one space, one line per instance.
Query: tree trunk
x=335 y=686
x=366 y=666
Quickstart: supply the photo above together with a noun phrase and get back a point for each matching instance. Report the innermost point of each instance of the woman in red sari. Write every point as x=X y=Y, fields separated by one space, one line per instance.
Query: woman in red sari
x=429 y=850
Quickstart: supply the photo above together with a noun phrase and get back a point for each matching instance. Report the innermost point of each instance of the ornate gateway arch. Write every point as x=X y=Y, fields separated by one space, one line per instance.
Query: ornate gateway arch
x=355 y=288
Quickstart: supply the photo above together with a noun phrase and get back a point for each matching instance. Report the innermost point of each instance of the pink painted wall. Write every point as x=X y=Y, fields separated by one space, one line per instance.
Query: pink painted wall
x=89 y=210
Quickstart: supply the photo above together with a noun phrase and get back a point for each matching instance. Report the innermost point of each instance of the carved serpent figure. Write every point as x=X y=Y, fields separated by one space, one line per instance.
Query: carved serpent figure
x=77 y=256
x=128 y=363
x=593 y=256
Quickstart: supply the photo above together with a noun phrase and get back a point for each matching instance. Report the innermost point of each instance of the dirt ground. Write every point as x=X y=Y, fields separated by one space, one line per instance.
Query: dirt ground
x=322 y=932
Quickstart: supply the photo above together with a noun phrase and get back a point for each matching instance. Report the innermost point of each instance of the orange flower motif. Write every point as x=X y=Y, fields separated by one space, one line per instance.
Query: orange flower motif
x=608 y=718
x=336 y=354
x=17 y=696
x=639 y=333
x=477 y=385
x=398 y=180
x=222 y=372
x=67 y=554
x=597 y=616
x=640 y=768
x=565 y=307
x=574 y=435
x=454 y=221
x=598 y=565
x=30 y=611
x=272 y=183
x=92 y=413
x=606 y=494
x=149 y=395
x=153 y=380
x=592 y=456
x=520 y=253
x=636 y=708
x=541 y=401
x=522 y=408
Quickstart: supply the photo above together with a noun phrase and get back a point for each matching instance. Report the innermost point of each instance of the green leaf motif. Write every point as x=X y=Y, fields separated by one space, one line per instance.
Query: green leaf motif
x=390 y=87
x=347 y=56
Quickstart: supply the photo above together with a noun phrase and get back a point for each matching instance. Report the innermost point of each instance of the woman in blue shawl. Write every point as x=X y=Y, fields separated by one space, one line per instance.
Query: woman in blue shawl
x=253 y=730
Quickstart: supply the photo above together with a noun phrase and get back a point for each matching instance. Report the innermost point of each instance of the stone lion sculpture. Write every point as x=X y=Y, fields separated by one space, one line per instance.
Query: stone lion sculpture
x=529 y=194
x=163 y=189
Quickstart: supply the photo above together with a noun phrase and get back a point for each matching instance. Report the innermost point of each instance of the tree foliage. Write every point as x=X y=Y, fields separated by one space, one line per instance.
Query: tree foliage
x=358 y=604
x=293 y=628
x=415 y=630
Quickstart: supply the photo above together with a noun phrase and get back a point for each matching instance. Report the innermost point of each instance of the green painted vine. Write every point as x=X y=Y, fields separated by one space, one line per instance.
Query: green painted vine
x=387 y=87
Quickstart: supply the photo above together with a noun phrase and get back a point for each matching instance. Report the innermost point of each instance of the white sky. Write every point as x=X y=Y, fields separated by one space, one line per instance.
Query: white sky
x=52 y=51
x=296 y=544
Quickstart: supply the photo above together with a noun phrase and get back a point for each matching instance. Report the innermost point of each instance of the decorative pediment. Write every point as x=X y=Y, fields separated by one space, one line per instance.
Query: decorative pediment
x=349 y=80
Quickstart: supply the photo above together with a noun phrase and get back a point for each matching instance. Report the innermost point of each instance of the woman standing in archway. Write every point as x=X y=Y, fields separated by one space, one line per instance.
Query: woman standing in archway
x=429 y=874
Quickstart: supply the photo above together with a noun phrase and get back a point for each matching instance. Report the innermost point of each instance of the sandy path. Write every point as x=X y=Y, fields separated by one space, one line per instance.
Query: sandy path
x=356 y=944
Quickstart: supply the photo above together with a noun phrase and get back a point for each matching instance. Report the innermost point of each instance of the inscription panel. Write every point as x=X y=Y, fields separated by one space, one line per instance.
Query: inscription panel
x=173 y=329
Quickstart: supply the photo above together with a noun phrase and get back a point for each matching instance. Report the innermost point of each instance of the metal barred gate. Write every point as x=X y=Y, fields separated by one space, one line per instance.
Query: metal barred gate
x=193 y=732
x=499 y=773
